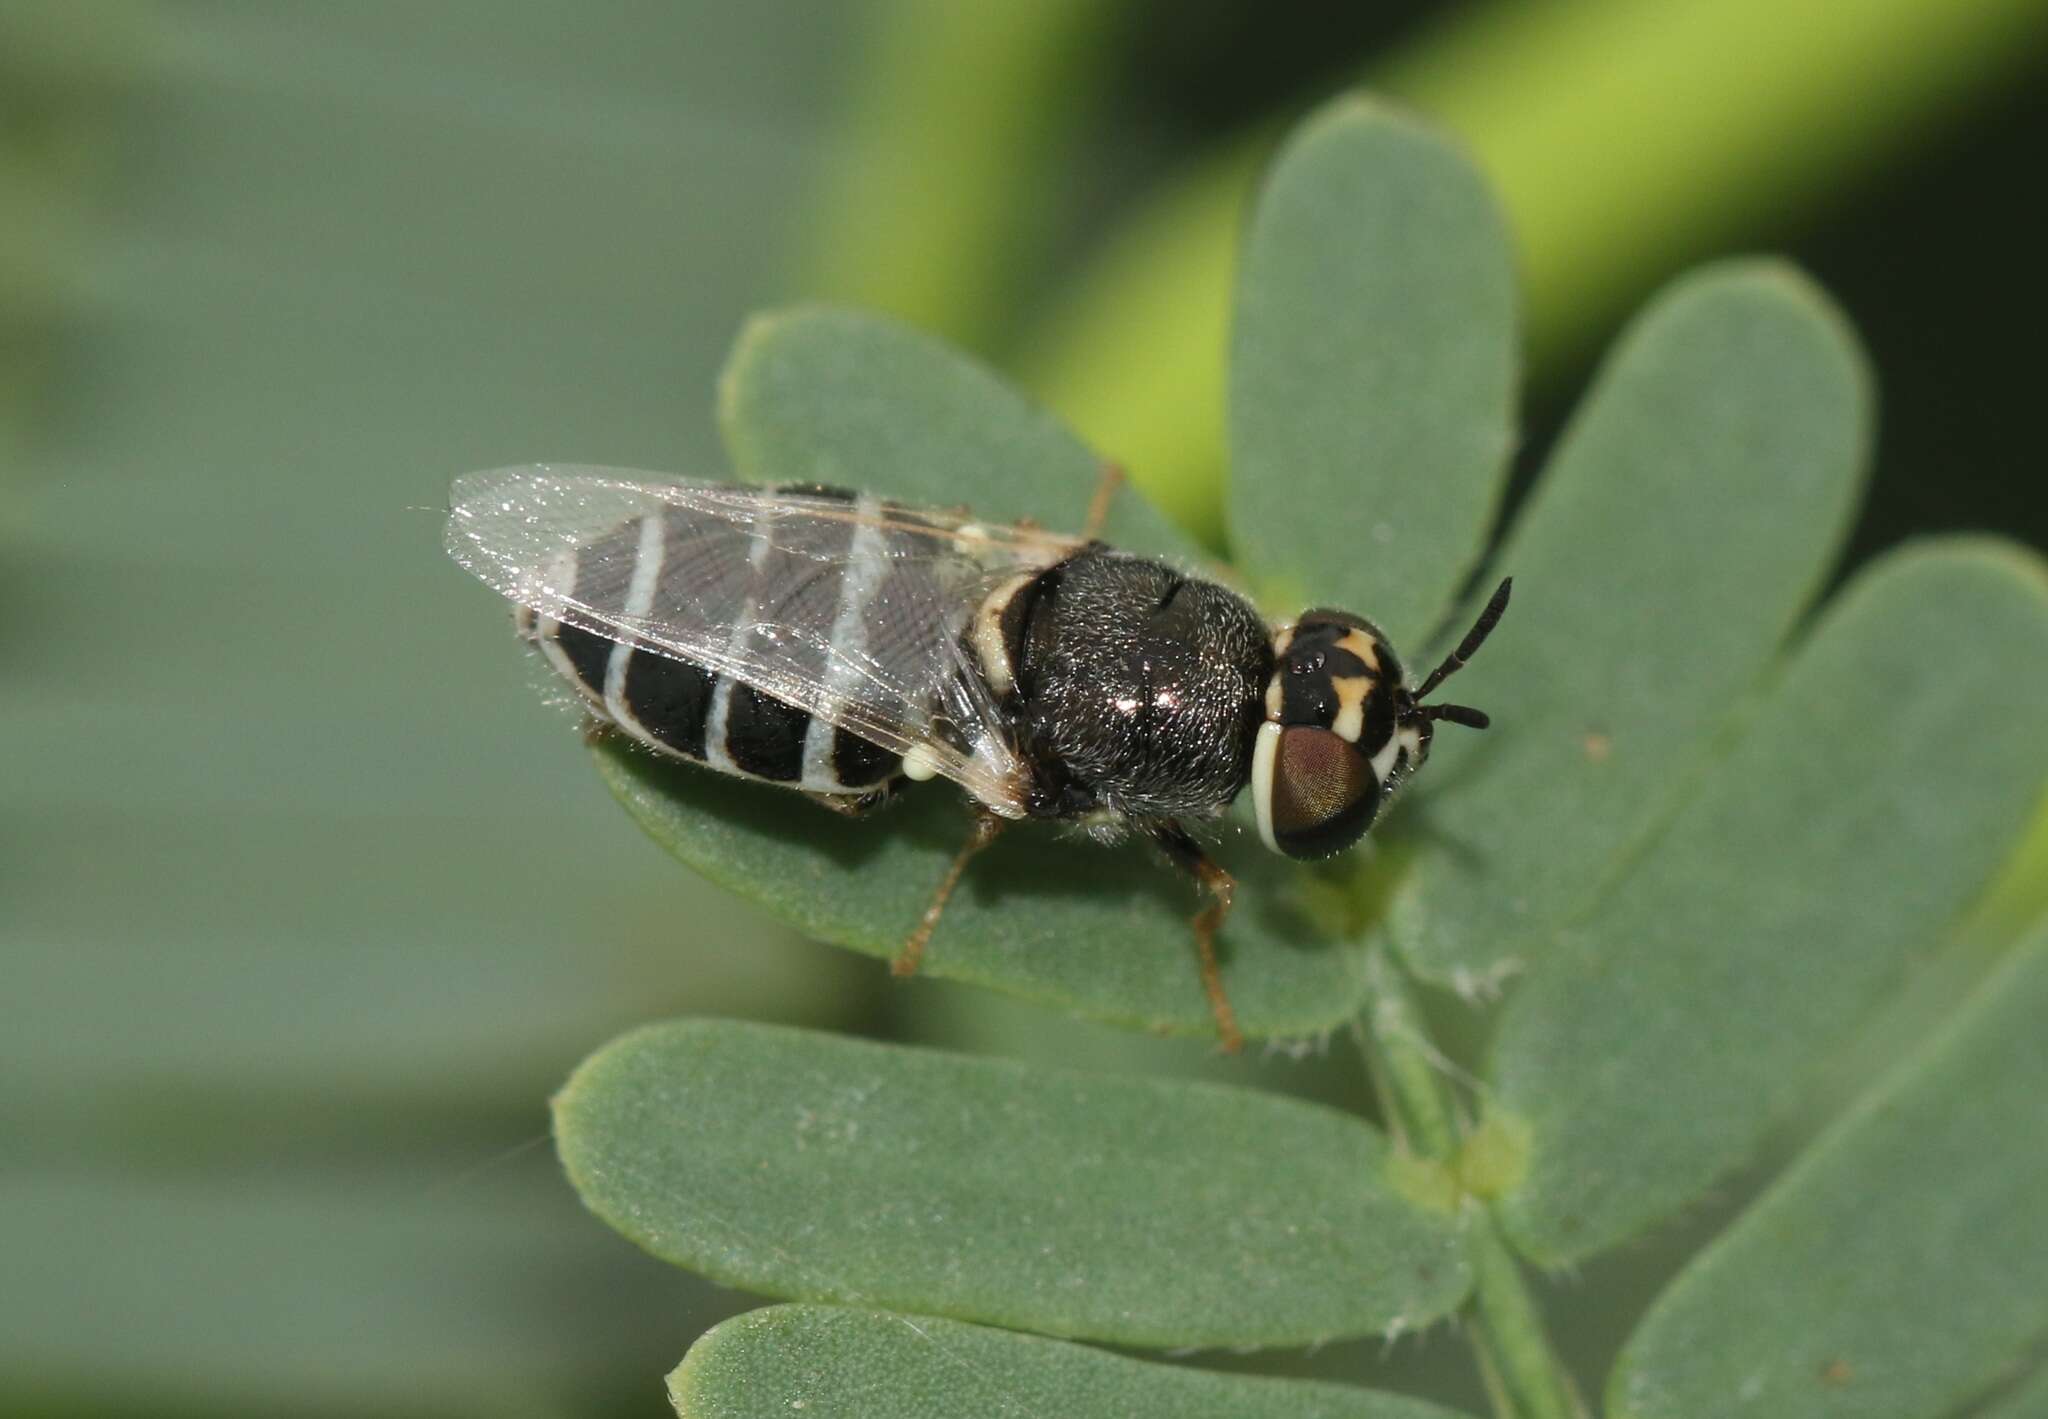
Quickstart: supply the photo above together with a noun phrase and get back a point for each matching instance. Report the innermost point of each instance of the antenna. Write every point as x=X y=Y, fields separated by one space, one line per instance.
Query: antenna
x=1456 y=714
x=1467 y=648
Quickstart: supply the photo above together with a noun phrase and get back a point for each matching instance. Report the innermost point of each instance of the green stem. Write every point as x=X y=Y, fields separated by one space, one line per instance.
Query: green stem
x=1508 y=1331
x=1523 y=1373
x=1411 y=1086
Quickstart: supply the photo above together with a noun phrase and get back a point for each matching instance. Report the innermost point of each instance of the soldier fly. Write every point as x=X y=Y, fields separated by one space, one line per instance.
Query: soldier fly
x=844 y=645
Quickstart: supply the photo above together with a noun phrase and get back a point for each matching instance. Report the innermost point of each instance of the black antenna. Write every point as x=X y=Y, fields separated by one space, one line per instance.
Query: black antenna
x=1455 y=661
x=1456 y=714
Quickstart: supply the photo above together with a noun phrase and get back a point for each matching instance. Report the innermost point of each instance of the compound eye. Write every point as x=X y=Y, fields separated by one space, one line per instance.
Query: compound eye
x=1315 y=793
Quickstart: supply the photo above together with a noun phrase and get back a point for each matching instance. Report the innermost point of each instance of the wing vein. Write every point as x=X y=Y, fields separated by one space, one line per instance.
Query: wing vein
x=741 y=582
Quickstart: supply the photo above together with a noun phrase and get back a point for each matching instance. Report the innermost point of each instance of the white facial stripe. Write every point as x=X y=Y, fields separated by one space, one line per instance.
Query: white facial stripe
x=1383 y=762
x=1407 y=737
x=1350 y=721
x=1263 y=754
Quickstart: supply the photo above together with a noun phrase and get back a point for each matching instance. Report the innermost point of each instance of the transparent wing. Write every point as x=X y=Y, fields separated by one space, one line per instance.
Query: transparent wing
x=850 y=608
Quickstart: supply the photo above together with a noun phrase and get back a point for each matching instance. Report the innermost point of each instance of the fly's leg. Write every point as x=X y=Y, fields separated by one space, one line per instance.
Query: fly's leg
x=1220 y=887
x=986 y=826
x=1111 y=478
x=1098 y=506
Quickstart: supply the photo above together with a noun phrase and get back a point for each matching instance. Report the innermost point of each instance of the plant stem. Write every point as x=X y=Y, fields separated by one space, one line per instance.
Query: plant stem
x=1524 y=1375
x=1411 y=1086
x=1508 y=1331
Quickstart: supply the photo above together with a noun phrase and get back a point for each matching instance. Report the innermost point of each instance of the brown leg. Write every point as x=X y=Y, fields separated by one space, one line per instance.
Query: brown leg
x=1098 y=506
x=1221 y=887
x=986 y=826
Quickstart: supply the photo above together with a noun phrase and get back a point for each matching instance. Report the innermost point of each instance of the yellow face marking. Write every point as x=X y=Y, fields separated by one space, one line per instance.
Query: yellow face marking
x=1282 y=639
x=1351 y=694
x=1360 y=644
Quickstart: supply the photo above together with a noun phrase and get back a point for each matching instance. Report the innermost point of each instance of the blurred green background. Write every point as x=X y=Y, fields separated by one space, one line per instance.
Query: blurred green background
x=308 y=895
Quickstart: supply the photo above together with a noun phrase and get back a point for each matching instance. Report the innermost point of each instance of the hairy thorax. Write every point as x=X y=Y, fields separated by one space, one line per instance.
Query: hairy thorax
x=1140 y=688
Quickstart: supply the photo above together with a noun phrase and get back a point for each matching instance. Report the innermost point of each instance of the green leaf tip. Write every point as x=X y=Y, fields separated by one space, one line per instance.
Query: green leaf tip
x=1989 y=553
x=866 y=1364
x=757 y=334
x=1144 y=1212
x=1776 y=280
x=1373 y=114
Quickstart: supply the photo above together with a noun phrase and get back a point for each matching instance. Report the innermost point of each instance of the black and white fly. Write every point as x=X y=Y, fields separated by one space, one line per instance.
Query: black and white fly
x=843 y=645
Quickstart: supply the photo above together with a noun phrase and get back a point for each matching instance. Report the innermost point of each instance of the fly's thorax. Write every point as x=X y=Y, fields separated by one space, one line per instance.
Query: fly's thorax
x=1132 y=688
x=1339 y=734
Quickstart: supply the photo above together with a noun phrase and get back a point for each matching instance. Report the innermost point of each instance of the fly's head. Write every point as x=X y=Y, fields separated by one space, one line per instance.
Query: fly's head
x=1344 y=728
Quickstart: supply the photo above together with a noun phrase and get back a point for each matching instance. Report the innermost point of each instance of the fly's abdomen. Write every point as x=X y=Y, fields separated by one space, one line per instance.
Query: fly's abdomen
x=688 y=710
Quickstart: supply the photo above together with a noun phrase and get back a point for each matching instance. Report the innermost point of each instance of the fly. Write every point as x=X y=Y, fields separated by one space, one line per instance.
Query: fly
x=845 y=646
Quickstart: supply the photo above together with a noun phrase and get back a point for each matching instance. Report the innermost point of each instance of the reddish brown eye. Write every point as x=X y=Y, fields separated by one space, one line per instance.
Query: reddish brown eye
x=1322 y=794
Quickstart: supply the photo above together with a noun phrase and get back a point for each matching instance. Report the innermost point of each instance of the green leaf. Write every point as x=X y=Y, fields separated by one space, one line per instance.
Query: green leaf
x=857 y=1364
x=840 y=397
x=1372 y=377
x=853 y=400
x=1878 y=787
x=1102 y=931
x=1902 y=1266
x=2028 y=1401
x=1140 y=1211
x=1685 y=518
